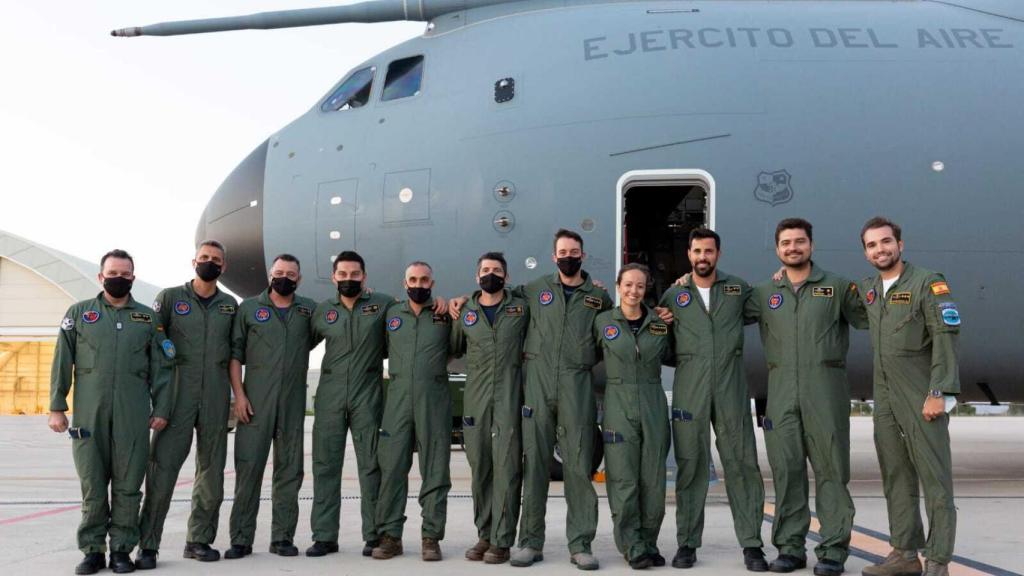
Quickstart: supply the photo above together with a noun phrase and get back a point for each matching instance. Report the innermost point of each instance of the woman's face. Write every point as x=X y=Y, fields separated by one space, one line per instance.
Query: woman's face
x=632 y=287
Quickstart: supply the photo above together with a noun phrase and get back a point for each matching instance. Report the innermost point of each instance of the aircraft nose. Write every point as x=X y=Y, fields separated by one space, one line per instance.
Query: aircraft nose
x=234 y=217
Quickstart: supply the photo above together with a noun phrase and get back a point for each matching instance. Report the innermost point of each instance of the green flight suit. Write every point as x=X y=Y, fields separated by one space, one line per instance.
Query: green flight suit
x=806 y=335
x=492 y=411
x=202 y=400
x=349 y=397
x=635 y=427
x=121 y=364
x=417 y=412
x=710 y=389
x=915 y=329
x=275 y=350
x=559 y=406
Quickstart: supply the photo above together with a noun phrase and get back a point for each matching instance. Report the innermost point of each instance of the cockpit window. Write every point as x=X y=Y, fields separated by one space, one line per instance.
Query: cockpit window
x=353 y=92
x=403 y=79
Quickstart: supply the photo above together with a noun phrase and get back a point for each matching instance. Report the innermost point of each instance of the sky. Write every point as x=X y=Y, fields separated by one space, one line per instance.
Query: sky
x=120 y=142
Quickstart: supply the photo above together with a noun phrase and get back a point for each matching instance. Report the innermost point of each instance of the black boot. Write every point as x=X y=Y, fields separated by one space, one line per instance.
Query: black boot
x=145 y=559
x=121 y=563
x=787 y=563
x=237 y=551
x=200 y=551
x=321 y=549
x=753 y=559
x=685 y=557
x=92 y=563
x=283 y=548
x=641 y=562
x=828 y=568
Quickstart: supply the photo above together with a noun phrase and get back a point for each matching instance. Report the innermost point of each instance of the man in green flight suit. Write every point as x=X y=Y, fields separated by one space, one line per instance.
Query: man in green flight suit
x=915 y=327
x=805 y=320
x=710 y=389
x=198 y=317
x=114 y=351
x=417 y=412
x=272 y=337
x=349 y=397
x=490 y=332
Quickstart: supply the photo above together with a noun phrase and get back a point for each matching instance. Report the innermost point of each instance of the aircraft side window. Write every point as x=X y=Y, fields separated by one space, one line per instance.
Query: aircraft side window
x=403 y=79
x=352 y=93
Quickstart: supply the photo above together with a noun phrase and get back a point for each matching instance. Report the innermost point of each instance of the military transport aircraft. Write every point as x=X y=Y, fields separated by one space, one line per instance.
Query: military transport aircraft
x=635 y=121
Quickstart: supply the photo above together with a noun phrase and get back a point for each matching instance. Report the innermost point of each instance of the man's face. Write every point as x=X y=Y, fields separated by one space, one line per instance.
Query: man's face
x=285 y=269
x=703 y=255
x=210 y=254
x=794 y=248
x=489 y=267
x=418 y=276
x=566 y=247
x=632 y=287
x=347 y=270
x=881 y=248
x=117 y=267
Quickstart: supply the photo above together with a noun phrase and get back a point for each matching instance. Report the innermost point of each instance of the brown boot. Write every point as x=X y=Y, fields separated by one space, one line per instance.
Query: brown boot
x=897 y=563
x=431 y=550
x=388 y=548
x=476 y=553
x=495 y=555
x=933 y=568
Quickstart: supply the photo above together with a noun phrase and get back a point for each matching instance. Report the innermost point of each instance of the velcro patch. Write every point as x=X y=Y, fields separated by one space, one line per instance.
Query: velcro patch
x=516 y=310
x=853 y=287
x=822 y=291
x=950 y=314
x=732 y=290
x=527 y=412
x=67 y=323
x=681 y=415
x=141 y=317
x=657 y=329
x=612 y=437
x=302 y=310
x=899 y=298
x=592 y=302
x=168 y=347
x=440 y=318
x=369 y=309
x=226 y=309
x=939 y=288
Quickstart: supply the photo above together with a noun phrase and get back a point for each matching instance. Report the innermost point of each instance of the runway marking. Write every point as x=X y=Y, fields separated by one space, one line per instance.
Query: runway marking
x=40 y=514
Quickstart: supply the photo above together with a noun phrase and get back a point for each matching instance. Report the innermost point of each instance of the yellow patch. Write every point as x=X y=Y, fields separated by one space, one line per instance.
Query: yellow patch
x=226 y=309
x=822 y=291
x=516 y=310
x=900 y=298
x=141 y=317
x=939 y=288
x=657 y=329
x=732 y=290
x=592 y=302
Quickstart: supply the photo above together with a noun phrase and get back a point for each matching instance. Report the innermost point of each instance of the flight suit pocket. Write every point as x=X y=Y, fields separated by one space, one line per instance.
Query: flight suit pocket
x=685 y=435
x=908 y=335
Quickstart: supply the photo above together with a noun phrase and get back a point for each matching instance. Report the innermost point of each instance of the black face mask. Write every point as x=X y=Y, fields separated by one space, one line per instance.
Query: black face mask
x=570 y=265
x=208 y=271
x=492 y=283
x=350 y=288
x=284 y=286
x=418 y=295
x=117 y=287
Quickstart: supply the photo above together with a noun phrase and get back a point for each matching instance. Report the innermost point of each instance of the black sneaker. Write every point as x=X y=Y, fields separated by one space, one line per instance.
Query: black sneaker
x=200 y=551
x=321 y=549
x=787 y=563
x=753 y=559
x=121 y=563
x=826 y=567
x=237 y=551
x=92 y=563
x=145 y=559
x=369 y=546
x=685 y=557
x=283 y=548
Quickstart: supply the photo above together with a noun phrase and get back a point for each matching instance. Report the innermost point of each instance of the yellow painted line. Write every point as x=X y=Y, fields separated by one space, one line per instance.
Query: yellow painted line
x=878 y=546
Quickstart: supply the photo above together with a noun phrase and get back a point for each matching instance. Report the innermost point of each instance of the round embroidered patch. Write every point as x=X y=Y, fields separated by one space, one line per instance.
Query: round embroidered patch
x=182 y=308
x=683 y=299
x=546 y=297
x=394 y=323
x=870 y=297
x=262 y=314
x=775 y=301
x=331 y=316
x=611 y=332
x=470 y=318
x=90 y=316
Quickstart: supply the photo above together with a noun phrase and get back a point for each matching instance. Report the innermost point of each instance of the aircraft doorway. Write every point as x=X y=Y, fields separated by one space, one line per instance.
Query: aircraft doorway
x=657 y=211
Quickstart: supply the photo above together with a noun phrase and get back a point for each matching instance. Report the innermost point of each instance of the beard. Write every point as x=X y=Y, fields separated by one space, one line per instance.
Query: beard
x=802 y=259
x=703 y=269
x=894 y=257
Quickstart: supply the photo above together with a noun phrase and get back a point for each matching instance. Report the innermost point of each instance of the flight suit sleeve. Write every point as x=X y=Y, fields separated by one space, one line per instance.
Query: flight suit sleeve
x=606 y=301
x=457 y=343
x=162 y=307
x=668 y=357
x=161 y=371
x=63 y=364
x=667 y=298
x=942 y=318
x=853 y=307
x=315 y=336
x=519 y=291
x=751 y=308
x=239 y=336
x=598 y=339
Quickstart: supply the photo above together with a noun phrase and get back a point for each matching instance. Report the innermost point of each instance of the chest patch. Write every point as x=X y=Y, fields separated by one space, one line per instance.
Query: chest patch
x=822 y=292
x=141 y=317
x=516 y=310
x=331 y=316
x=262 y=314
x=440 y=318
x=657 y=329
x=470 y=318
x=732 y=290
x=870 y=297
x=899 y=298
x=683 y=299
x=611 y=332
x=369 y=309
x=592 y=302
x=226 y=309
x=303 y=311
x=775 y=301
x=545 y=297
x=182 y=308
x=90 y=316
x=394 y=323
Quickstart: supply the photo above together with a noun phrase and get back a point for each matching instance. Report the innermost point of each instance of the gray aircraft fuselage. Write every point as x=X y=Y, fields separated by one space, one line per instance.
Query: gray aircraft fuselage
x=832 y=111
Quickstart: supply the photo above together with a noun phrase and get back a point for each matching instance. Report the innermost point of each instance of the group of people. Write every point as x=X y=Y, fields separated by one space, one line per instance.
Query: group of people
x=529 y=354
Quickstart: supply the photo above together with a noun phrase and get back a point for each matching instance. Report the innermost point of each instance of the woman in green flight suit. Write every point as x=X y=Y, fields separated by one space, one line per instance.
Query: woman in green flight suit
x=635 y=343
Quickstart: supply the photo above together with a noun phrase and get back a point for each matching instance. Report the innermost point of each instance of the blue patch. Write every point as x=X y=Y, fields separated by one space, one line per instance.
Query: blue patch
x=950 y=315
x=262 y=314
x=168 y=348
x=546 y=297
x=470 y=318
x=182 y=308
x=394 y=323
x=775 y=301
x=611 y=332
x=683 y=299
x=90 y=316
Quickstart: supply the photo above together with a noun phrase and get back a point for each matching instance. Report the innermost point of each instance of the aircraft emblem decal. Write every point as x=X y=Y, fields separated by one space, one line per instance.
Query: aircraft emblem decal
x=774 y=187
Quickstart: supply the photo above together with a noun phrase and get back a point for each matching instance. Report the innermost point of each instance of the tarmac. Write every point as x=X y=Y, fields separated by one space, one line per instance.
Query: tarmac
x=40 y=503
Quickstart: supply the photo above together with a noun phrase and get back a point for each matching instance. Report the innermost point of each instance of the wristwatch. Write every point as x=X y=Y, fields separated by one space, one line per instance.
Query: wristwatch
x=935 y=393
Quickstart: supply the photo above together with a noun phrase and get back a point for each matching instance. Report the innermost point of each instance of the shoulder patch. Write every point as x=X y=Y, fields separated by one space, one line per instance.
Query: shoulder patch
x=304 y=311
x=515 y=310
x=331 y=316
x=182 y=308
x=369 y=309
x=732 y=290
x=156 y=306
x=900 y=298
x=168 y=347
x=683 y=299
x=775 y=301
x=394 y=323
x=853 y=287
x=262 y=314
x=545 y=297
x=592 y=302
x=870 y=297
x=470 y=318
x=611 y=332
x=68 y=323
x=939 y=288
x=950 y=314
x=90 y=316
x=141 y=317
x=226 y=309
x=822 y=291
x=657 y=329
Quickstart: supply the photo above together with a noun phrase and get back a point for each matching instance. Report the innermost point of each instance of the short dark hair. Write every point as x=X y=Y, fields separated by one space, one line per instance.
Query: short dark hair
x=350 y=256
x=563 y=233
x=117 y=253
x=633 y=266
x=881 y=222
x=701 y=233
x=287 y=258
x=212 y=244
x=496 y=256
x=792 y=224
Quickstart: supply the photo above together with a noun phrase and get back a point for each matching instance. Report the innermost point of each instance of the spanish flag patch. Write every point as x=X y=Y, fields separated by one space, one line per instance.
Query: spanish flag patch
x=939 y=288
